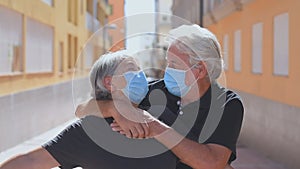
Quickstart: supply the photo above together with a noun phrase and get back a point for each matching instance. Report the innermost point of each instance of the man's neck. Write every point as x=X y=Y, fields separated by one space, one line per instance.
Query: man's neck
x=196 y=92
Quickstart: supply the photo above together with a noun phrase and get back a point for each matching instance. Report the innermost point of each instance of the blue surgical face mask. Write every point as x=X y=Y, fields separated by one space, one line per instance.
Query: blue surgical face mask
x=137 y=86
x=175 y=81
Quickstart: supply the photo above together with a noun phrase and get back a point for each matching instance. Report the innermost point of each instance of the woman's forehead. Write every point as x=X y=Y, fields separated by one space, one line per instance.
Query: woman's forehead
x=128 y=64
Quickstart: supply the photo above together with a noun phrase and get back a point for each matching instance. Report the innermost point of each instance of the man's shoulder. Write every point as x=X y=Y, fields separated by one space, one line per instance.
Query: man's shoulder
x=227 y=93
x=226 y=98
x=233 y=103
x=234 y=99
x=232 y=95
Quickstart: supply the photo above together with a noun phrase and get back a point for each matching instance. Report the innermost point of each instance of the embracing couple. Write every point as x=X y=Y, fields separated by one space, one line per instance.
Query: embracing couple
x=185 y=120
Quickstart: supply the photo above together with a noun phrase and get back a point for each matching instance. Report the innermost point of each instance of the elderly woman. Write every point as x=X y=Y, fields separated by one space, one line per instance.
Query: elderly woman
x=90 y=142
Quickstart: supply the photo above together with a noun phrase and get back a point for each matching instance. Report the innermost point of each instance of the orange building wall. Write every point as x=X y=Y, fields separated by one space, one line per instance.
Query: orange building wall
x=284 y=89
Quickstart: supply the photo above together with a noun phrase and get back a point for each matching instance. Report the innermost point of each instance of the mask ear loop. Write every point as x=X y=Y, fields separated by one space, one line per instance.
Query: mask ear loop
x=205 y=66
x=196 y=79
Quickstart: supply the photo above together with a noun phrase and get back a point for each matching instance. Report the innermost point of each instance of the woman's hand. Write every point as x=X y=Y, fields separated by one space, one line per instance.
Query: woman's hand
x=130 y=121
x=130 y=128
x=127 y=116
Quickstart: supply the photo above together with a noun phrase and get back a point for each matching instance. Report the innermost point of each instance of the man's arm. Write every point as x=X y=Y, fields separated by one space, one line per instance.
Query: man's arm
x=36 y=159
x=196 y=155
x=215 y=153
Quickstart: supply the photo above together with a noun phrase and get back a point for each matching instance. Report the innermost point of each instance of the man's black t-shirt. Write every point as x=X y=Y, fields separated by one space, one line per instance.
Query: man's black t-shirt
x=215 y=118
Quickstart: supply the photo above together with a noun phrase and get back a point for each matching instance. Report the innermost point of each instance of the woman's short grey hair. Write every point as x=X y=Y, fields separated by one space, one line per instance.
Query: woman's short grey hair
x=106 y=65
x=201 y=45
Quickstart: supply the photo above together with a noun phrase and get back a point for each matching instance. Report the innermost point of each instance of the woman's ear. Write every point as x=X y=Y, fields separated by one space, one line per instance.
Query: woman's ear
x=107 y=83
x=117 y=83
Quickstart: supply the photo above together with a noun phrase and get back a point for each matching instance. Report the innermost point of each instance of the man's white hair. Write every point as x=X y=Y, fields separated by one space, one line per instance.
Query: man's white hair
x=106 y=65
x=201 y=45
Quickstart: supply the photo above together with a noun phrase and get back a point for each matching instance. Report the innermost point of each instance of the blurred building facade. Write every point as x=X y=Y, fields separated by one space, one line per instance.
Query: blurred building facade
x=116 y=18
x=163 y=25
x=40 y=41
x=156 y=62
x=260 y=49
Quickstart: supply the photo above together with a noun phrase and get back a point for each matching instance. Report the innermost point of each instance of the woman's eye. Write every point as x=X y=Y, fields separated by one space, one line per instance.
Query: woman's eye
x=131 y=69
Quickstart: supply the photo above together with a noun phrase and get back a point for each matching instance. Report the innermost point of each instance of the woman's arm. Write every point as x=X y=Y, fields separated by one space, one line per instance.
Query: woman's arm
x=132 y=128
x=36 y=159
x=92 y=107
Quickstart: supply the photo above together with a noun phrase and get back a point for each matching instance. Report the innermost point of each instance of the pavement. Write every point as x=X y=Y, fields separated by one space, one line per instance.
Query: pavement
x=34 y=143
x=247 y=158
x=252 y=159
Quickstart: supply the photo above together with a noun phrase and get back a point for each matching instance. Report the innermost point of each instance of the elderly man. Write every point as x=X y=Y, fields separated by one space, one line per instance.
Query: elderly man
x=194 y=64
x=205 y=120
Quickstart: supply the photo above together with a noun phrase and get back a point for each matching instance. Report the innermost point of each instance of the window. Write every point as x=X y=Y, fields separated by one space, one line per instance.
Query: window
x=61 y=57
x=81 y=7
x=48 y=2
x=89 y=6
x=237 y=51
x=80 y=59
x=72 y=51
x=257 y=46
x=39 y=47
x=225 y=51
x=281 y=44
x=72 y=11
x=11 y=60
x=89 y=55
x=92 y=23
x=75 y=39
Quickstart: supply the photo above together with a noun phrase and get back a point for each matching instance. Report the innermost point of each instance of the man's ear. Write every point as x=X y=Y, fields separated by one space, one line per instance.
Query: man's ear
x=203 y=73
x=107 y=83
x=200 y=72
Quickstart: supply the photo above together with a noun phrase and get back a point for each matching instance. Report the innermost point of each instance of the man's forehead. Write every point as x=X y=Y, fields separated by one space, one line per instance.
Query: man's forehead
x=175 y=53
